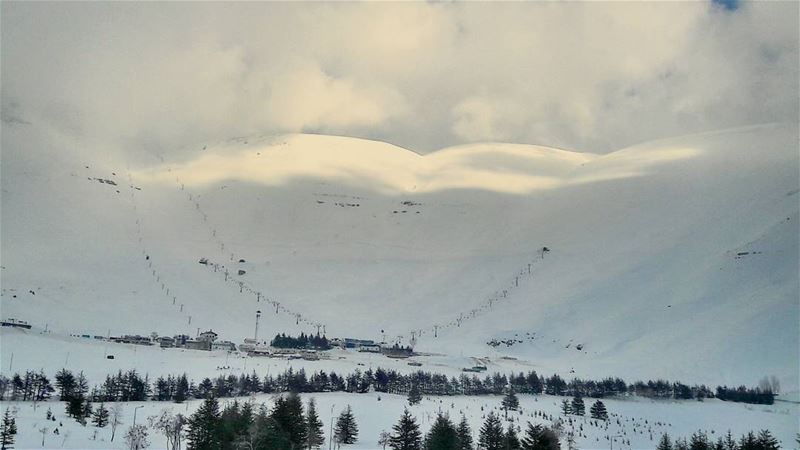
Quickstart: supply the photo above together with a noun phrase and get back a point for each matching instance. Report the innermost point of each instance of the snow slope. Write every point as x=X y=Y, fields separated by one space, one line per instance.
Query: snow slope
x=640 y=421
x=360 y=236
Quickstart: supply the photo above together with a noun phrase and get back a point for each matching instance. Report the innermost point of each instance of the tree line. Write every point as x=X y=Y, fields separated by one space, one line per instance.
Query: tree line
x=287 y=425
x=700 y=441
x=132 y=386
x=303 y=341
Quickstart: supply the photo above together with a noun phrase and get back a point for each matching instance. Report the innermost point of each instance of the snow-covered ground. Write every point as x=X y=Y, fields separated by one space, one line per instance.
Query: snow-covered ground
x=679 y=418
x=674 y=259
x=639 y=419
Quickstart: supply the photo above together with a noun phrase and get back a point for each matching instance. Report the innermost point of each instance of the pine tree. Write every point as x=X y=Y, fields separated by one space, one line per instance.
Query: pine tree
x=442 y=435
x=699 y=441
x=65 y=382
x=100 y=416
x=766 y=441
x=203 y=432
x=346 y=431
x=464 y=433
x=566 y=408
x=8 y=430
x=510 y=440
x=664 y=443
x=491 y=434
x=414 y=396
x=578 y=406
x=749 y=442
x=181 y=389
x=75 y=407
x=510 y=402
x=315 y=436
x=406 y=434
x=539 y=438
x=86 y=412
x=729 y=443
x=288 y=413
x=598 y=411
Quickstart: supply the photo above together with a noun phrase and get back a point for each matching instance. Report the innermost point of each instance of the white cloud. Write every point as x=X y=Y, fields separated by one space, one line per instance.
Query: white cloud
x=305 y=97
x=588 y=76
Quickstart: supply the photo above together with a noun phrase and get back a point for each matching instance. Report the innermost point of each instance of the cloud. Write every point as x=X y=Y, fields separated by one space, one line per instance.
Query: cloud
x=589 y=76
x=306 y=98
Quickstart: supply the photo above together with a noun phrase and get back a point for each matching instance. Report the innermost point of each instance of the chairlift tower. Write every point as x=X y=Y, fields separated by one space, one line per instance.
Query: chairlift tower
x=258 y=316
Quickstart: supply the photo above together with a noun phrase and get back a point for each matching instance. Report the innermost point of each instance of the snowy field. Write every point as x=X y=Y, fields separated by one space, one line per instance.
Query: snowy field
x=641 y=421
x=639 y=418
x=673 y=259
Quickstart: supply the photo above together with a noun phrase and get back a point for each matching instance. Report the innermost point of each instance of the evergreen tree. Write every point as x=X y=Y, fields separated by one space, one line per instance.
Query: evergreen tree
x=406 y=434
x=699 y=441
x=566 y=408
x=511 y=441
x=288 y=414
x=267 y=434
x=8 y=430
x=749 y=442
x=346 y=431
x=315 y=436
x=729 y=443
x=442 y=435
x=510 y=401
x=204 y=389
x=578 y=406
x=229 y=423
x=766 y=441
x=414 y=396
x=203 y=432
x=491 y=434
x=464 y=433
x=598 y=411
x=181 y=389
x=65 y=382
x=100 y=416
x=664 y=443
x=539 y=438
x=86 y=412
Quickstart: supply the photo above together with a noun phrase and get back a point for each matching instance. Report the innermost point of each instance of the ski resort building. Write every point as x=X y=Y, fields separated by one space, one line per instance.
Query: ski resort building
x=223 y=345
x=11 y=322
x=356 y=343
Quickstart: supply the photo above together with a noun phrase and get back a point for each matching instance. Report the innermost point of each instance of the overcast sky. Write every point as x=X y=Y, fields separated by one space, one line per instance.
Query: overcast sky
x=585 y=76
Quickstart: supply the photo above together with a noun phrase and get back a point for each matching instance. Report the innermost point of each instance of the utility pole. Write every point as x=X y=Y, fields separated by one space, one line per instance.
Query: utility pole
x=330 y=436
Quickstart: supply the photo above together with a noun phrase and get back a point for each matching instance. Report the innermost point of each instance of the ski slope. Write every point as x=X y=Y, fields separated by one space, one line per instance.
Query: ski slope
x=674 y=259
x=640 y=421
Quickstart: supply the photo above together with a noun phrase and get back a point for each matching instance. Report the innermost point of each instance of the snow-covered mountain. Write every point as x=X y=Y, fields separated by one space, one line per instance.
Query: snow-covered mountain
x=677 y=258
